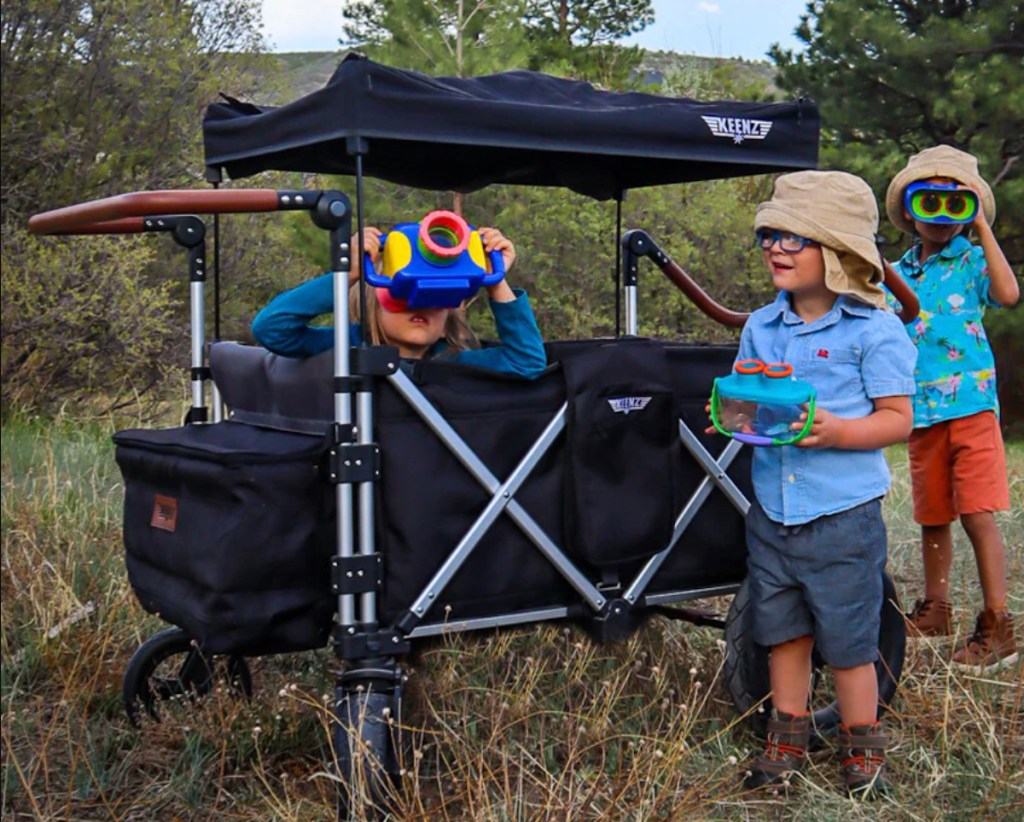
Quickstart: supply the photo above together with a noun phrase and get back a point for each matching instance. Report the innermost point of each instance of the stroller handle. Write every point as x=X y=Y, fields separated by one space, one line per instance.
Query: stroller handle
x=122 y=213
x=639 y=243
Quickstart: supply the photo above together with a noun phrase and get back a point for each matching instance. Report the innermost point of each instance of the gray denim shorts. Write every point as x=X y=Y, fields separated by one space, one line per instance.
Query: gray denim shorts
x=822 y=578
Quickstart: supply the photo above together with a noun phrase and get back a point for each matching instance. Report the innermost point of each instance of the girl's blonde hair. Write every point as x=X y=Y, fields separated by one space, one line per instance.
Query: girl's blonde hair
x=457 y=333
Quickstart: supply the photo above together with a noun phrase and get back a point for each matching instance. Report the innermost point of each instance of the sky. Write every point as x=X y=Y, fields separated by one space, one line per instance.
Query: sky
x=710 y=28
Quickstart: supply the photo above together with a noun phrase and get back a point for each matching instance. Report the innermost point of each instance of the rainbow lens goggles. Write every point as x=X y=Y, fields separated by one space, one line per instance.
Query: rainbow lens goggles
x=761 y=404
x=940 y=203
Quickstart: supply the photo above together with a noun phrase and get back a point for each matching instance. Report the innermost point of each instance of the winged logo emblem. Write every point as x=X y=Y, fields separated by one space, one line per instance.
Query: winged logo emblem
x=624 y=405
x=737 y=128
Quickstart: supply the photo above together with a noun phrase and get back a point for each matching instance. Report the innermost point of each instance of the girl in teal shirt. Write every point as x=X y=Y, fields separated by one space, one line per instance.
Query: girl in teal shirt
x=283 y=325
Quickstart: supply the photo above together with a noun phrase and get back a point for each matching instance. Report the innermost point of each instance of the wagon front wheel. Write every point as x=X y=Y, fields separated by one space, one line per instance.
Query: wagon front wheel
x=746 y=665
x=170 y=666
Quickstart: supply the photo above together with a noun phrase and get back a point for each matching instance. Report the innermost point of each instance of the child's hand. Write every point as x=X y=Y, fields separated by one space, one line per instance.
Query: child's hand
x=494 y=240
x=979 y=218
x=371 y=246
x=826 y=430
x=711 y=428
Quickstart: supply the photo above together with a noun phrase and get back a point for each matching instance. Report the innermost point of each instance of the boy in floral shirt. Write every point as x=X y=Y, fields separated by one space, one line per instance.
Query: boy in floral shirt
x=957 y=460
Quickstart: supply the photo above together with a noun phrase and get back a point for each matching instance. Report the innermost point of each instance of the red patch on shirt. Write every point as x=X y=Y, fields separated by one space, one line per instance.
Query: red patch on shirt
x=823 y=353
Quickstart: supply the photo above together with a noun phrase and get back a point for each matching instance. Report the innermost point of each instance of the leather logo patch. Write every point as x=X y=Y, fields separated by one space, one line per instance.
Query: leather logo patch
x=165 y=513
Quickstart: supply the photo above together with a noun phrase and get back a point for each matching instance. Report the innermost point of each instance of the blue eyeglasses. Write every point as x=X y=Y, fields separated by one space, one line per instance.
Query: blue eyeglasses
x=788 y=241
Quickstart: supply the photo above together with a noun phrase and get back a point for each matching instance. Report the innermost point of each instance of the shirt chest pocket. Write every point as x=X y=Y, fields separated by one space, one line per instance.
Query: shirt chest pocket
x=834 y=371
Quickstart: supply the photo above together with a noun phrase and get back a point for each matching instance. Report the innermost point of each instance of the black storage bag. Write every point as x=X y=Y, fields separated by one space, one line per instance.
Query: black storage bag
x=621 y=449
x=228 y=532
x=428 y=500
x=712 y=550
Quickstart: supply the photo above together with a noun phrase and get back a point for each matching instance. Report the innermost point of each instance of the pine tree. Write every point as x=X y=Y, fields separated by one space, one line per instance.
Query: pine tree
x=893 y=77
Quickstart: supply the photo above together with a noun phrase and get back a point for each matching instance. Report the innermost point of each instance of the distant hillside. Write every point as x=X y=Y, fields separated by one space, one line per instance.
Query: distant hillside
x=743 y=73
x=306 y=71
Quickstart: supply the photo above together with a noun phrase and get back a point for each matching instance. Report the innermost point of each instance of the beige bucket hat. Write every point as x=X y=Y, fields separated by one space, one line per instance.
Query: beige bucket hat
x=839 y=211
x=940 y=161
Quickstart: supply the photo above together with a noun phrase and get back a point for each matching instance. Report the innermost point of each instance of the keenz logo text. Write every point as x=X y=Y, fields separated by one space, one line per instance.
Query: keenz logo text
x=623 y=405
x=738 y=128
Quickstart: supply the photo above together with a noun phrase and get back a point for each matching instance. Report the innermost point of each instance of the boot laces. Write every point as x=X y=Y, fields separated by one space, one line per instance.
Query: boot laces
x=980 y=638
x=865 y=762
x=777 y=751
x=921 y=608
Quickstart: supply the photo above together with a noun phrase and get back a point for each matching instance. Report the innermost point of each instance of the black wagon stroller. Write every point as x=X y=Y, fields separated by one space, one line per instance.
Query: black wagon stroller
x=289 y=510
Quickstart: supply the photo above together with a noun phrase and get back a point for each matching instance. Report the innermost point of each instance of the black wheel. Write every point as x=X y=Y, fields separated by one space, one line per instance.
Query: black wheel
x=369 y=743
x=746 y=665
x=169 y=666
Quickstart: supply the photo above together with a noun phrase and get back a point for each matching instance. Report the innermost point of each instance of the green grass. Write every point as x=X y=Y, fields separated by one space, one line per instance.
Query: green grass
x=531 y=724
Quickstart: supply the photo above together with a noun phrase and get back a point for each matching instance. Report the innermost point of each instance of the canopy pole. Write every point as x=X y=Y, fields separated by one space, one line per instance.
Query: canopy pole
x=618 y=263
x=357 y=147
x=214 y=177
x=216 y=272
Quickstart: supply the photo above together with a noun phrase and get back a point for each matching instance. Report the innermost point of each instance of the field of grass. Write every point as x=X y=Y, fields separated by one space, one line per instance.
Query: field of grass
x=532 y=724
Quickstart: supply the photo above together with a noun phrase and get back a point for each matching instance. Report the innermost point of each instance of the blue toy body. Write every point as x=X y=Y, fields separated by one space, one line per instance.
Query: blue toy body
x=437 y=263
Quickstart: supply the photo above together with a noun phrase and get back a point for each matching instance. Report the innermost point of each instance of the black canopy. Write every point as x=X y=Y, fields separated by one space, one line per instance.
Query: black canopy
x=516 y=127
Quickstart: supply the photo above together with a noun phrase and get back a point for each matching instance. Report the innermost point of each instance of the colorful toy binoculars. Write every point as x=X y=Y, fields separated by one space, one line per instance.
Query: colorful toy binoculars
x=940 y=203
x=762 y=404
x=436 y=263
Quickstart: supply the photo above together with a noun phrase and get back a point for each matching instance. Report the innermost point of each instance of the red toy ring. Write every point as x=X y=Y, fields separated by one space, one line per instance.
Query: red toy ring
x=448 y=224
x=749 y=367
x=778 y=370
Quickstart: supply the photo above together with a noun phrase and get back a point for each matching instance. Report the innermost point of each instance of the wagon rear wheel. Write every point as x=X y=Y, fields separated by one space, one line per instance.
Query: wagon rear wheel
x=169 y=666
x=746 y=665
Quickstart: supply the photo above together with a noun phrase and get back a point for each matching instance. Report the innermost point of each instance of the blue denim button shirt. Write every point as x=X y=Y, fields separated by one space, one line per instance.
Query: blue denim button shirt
x=852 y=355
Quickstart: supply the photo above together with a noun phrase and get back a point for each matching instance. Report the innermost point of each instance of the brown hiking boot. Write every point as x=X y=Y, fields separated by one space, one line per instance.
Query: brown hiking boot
x=785 y=750
x=862 y=748
x=929 y=618
x=991 y=645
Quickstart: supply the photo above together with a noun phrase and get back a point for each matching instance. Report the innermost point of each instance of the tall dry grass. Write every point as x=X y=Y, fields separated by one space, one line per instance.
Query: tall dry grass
x=532 y=724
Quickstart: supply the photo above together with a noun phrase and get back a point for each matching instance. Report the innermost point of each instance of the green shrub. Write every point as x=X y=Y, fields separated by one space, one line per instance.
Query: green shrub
x=82 y=323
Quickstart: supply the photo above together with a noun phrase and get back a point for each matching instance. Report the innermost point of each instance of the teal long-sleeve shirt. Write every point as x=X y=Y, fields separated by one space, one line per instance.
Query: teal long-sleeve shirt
x=282 y=326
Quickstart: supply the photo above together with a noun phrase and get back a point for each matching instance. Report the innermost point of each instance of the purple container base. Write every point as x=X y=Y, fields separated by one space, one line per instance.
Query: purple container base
x=753 y=439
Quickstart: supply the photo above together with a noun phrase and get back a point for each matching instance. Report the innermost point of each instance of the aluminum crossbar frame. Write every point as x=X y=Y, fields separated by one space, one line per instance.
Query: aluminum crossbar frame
x=716 y=477
x=502 y=494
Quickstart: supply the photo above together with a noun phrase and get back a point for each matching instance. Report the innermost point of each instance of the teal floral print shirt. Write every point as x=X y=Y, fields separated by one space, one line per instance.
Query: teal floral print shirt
x=956 y=373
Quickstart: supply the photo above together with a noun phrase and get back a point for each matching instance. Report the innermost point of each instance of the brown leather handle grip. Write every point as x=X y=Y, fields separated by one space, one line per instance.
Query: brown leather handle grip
x=84 y=217
x=126 y=225
x=637 y=243
x=910 y=306
x=700 y=298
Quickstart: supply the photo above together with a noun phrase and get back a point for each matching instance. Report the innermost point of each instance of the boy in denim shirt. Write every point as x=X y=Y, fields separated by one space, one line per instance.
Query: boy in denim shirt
x=816 y=539
x=957 y=459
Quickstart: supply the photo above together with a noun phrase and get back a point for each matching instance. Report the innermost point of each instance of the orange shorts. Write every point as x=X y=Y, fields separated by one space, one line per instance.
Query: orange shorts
x=958 y=467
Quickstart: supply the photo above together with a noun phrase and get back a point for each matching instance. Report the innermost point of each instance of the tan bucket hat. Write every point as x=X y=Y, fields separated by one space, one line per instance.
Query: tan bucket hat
x=940 y=161
x=839 y=211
